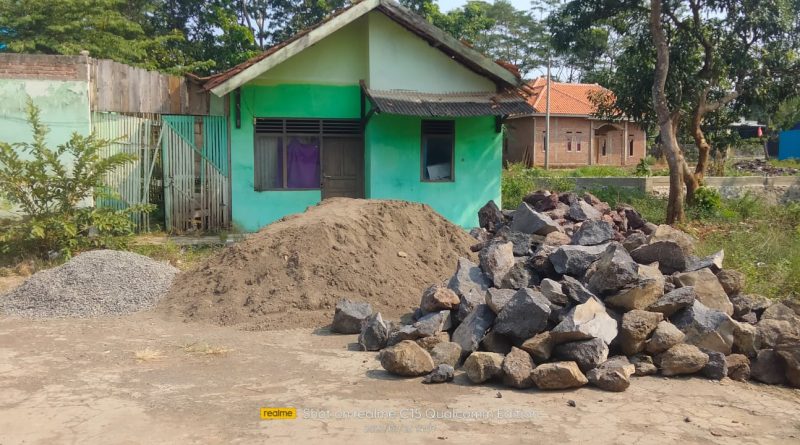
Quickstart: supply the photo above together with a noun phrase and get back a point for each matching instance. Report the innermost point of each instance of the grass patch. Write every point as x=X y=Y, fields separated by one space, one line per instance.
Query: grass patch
x=182 y=257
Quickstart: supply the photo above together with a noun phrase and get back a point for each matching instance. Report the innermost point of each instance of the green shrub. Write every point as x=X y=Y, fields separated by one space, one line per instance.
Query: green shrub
x=643 y=168
x=707 y=203
x=51 y=194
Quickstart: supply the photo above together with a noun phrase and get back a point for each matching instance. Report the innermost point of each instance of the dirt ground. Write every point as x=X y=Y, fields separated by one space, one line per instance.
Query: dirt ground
x=141 y=379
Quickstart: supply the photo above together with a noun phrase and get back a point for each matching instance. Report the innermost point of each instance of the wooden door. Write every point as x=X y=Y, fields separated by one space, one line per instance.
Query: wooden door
x=343 y=167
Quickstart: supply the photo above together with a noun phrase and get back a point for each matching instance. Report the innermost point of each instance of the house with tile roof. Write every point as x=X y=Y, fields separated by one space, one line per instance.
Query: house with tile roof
x=374 y=102
x=579 y=137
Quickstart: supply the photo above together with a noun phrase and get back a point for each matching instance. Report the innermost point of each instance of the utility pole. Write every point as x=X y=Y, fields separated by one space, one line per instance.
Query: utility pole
x=547 y=120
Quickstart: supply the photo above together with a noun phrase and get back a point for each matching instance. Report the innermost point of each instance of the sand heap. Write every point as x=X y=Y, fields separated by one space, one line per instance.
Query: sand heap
x=291 y=273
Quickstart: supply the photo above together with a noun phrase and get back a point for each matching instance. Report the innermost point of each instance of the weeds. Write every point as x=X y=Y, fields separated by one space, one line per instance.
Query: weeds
x=205 y=349
x=148 y=355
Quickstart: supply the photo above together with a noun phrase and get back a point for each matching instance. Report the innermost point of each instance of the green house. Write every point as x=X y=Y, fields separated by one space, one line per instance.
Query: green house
x=374 y=102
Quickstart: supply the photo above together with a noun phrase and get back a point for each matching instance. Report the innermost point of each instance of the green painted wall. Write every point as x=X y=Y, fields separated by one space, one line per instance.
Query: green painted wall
x=64 y=108
x=393 y=160
x=251 y=209
x=340 y=59
x=400 y=60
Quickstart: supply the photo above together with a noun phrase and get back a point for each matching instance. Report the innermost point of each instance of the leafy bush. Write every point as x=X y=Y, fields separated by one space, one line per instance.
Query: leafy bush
x=707 y=203
x=643 y=168
x=50 y=194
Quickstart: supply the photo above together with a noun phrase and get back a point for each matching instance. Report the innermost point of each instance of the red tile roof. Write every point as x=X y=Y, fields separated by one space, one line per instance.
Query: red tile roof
x=567 y=98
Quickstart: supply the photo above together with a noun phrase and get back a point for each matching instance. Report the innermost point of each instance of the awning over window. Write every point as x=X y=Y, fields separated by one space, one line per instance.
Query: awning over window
x=415 y=103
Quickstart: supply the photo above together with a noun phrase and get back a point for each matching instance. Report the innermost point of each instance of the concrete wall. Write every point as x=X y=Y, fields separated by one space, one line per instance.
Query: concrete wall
x=59 y=86
x=528 y=134
x=774 y=190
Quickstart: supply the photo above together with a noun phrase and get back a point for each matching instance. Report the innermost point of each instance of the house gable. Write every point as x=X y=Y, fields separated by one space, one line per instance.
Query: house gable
x=401 y=60
x=340 y=59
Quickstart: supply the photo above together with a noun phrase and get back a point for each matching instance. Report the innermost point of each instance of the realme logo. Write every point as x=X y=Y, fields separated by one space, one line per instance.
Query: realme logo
x=278 y=413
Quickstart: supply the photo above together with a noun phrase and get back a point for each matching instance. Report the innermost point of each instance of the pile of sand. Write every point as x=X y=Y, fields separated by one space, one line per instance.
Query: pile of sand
x=291 y=273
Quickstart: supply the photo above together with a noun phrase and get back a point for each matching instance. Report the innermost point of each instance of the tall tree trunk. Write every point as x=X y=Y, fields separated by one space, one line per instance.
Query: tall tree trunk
x=703 y=147
x=677 y=164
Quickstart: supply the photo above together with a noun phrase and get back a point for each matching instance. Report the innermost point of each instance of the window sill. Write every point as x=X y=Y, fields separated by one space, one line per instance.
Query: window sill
x=433 y=181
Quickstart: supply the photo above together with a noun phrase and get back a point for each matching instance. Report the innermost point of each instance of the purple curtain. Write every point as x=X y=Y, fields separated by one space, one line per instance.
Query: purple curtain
x=303 y=164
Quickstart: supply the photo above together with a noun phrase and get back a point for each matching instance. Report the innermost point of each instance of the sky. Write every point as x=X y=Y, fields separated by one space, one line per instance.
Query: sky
x=446 y=5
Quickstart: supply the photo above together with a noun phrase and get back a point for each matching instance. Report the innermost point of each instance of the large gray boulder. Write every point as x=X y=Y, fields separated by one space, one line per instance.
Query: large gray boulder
x=497 y=298
x=558 y=375
x=791 y=358
x=483 y=366
x=586 y=353
x=644 y=292
x=437 y=298
x=732 y=281
x=717 y=367
x=613 y=374
x=706 y=328
x=553 y=291
x=745 y=339
x=666 y=232
x=614 y=270
x=348 y=316
x=490 y=217
x=665 y=336
x=576 y=291
x=473 y=328
x=668 y=254
x=586 y=321
x=528 y=220
x=636 y=327
x=406 y=359
x=574 y=260
x=470 y=284
x=707 y=289
x=779 y=311
x=448 y=353
x=523 y=316
x=521 y=275
x=522 y=241
x=494 y=342
x=517 y=368
x=580 y=210
x=683 y=359
x=496 y=261
x=674 y=301
x=771 y=333
x=744 y=304
x=374 y=333
x=593 y=232
x=768 y=367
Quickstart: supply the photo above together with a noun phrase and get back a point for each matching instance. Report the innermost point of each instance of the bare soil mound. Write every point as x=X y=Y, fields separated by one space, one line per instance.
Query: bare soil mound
x=292 y=272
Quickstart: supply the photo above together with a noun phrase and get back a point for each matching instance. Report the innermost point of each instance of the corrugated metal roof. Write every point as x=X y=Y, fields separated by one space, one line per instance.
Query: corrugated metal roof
x=415 y=103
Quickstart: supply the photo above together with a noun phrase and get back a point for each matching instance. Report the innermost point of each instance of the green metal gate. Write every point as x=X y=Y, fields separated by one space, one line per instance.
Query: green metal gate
x=196 y=173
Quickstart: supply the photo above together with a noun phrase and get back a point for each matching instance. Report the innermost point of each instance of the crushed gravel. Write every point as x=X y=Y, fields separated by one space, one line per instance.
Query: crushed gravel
x=100 y=282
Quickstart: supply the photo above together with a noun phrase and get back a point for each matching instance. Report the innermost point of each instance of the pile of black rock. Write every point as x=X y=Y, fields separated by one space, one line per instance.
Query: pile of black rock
x=569 y=291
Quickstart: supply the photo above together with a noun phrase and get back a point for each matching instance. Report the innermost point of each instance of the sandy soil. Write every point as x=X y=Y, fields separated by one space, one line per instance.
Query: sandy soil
x=141 y=379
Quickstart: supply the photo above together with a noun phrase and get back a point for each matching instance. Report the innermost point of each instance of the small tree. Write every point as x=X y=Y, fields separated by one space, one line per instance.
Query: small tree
x=50 y=195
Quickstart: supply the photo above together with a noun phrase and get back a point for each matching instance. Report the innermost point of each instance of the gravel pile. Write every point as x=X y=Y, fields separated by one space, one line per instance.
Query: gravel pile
x=100 y=282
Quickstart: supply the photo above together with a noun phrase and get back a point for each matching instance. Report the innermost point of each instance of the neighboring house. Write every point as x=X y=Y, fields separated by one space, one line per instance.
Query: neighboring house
x=578 y=137
x=374 y=102
x=789 y=143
